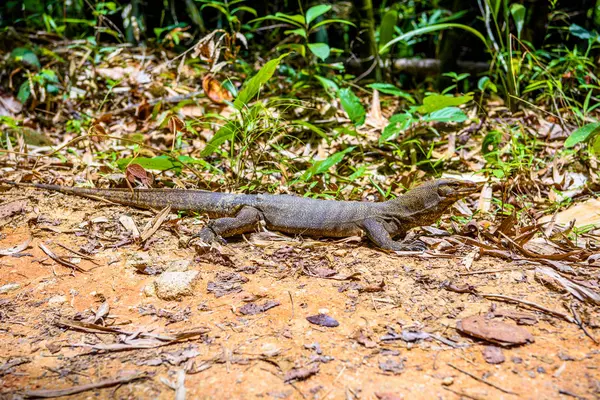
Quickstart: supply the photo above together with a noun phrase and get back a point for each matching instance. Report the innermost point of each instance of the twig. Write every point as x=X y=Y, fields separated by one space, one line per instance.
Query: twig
x=51 y=393
x=60 y=260
x=491 y=271
x=298 y=390
x=462 y=394
x=291 y=301
x=579 y=322
x=531 y=304
x=483 y=380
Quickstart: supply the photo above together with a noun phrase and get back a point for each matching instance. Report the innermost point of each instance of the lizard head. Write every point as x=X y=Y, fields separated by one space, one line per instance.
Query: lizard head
x=453 y=189
x=425 y=204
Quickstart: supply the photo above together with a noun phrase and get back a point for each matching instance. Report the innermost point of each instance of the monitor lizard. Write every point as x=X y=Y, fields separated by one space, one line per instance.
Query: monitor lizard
x=381 y=222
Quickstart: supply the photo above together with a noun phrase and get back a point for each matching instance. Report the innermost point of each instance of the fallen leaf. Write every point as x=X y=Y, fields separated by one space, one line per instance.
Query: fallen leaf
x=391 y=365
x=323 y=320
x=254 y=308
x=11 y=208
x=585 y=213
x=9 y=106
x=300 y=374
x=16 y=249
x=494 y=331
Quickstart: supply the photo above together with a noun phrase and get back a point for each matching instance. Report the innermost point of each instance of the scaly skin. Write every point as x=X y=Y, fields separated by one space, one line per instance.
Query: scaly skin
x=240 y=213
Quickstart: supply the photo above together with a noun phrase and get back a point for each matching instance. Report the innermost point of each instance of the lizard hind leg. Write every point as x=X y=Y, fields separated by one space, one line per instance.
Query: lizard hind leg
x=246 y=220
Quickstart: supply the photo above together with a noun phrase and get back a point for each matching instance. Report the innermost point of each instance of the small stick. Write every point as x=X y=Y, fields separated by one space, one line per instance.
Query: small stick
x=491 y=271
x=291 y=301
x=579 y=322
x=462 y=394
x=529 y=303
x=483 y=380
x=49 y=393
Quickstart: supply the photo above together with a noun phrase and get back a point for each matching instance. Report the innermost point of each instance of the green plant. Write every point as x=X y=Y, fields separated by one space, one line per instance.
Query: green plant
x=248 y=120
x=39 y=85
x=305 y=25
x=230 y=14
x=435 y=108
x=456 y=78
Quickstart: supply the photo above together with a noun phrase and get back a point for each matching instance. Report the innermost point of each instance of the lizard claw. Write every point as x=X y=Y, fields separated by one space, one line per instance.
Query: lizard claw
x=207 y=235
x=414 y=245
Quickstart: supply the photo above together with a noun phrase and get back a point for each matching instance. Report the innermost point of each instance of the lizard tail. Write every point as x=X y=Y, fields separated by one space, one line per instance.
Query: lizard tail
x=178 y=199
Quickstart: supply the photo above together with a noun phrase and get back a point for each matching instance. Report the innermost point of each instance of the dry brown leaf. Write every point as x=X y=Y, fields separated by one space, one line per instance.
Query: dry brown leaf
x=585 y=213
x=11 y=208
x=134 y=171
x=494 y=331
x=214 y=91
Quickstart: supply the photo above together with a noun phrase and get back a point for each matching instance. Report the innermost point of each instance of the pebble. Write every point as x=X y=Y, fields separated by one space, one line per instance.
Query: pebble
x=175 y=285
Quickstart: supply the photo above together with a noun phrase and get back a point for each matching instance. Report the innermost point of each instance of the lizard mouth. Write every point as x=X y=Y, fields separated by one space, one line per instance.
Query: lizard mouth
x=467 y=188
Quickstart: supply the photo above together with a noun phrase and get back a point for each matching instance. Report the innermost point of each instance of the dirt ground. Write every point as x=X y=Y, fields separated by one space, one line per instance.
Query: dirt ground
x=397 y=336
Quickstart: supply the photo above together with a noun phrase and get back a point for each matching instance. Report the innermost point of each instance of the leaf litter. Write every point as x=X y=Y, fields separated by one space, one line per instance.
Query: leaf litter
x=444 y=303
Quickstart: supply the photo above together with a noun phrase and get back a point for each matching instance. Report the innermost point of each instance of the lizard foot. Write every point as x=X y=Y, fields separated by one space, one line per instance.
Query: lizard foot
x=412 y=245
x=208 y=236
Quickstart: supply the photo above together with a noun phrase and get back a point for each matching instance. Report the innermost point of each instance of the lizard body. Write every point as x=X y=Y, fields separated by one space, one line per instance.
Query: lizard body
x=240 y=213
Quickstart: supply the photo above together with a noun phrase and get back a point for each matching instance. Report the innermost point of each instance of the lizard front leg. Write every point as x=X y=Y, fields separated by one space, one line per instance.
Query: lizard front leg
x=381 y=237
x=245 y=221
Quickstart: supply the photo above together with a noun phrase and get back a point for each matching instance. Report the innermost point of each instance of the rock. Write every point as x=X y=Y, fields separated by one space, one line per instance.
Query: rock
x=447 y=381
x=9 y=287
x=179 y=266
x=143 y=264
x=56 y=301
x=493 y=355
x=149 y=290
x=173 y=285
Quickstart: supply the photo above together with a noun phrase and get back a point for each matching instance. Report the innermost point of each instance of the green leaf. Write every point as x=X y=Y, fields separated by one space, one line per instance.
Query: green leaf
x=322 y=166
x=432 y=28
x=330 y=21
x=244 y=8
x=386 y=29
x=280 y=19
x=518 y=13
x=25 y=56
x=24 y=92
x=298 y=31
x=222 y=9
x=580 y=32
x=252 y=86
x=313 y=128
x=297 y=47
x=49 y=75
x=491 y=144
x=594 y=145
x=486 y=83
x=388 y=88
x=328 y=84
x=352 y=105
x=160 y=163
x=320 y=50
x=299 y=19
x=225 y=133
x=436 y=102
x=582 y=134
x=315 y=12
x=398 y=124
x=448 y=114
